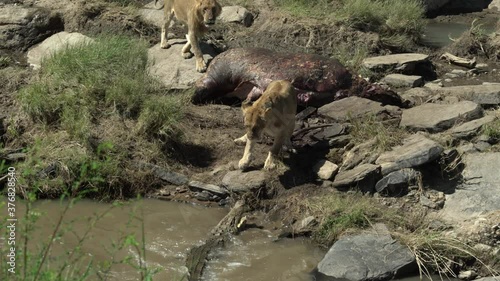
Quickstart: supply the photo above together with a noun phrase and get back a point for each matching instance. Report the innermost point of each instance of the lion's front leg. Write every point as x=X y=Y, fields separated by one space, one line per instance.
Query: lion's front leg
x=271 y=160
x=201 y=66
x=186 y=50
x=247 y=155
x=242 y=140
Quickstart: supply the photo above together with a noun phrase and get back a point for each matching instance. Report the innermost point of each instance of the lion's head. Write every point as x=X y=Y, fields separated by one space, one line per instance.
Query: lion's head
x=254 y=118
x=209 y=10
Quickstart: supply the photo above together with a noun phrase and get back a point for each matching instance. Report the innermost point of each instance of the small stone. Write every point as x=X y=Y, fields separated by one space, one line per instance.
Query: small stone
x=400 y=80
x=325 y=169
x=236 y=14
x=426 y=202
x=482 y=146
x=202 y=196
x=467 y=275
x=448 y=80
x=459 y=72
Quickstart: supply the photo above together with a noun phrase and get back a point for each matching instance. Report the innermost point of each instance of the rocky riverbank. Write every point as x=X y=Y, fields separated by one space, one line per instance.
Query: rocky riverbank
x=424 y=175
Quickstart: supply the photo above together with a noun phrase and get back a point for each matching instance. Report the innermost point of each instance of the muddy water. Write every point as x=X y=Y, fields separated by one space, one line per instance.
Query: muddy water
x=170 y=230
x=438 y=34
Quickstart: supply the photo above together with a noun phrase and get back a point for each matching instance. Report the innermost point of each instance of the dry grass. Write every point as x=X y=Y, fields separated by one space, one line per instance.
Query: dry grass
x=369 y=127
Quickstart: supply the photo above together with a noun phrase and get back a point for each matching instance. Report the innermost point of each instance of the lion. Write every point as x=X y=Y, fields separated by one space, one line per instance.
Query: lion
x=198 y=15
x=273 y=114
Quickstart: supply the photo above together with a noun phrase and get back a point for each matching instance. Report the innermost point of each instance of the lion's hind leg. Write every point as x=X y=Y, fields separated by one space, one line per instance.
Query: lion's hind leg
x=167 y=18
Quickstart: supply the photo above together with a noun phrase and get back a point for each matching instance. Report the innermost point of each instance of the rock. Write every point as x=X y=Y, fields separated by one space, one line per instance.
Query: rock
x=415 y=151
x=153 y=16
x=339 y=141
x=203 y=196
x=493 y=278
x=172 y=69
x=405 y=63
x=495 y=4
x=362 y=153
x=304 y=226
x=329 y=132
x=367 y=257
x=53 y=44
x=467 y=274
x=482 y=146
x=239 y=182
x=459 y=72
x=465 y=6
x=351 y=107
x=479 y=191
x=400 y=80
x=363 y=177
x=22 y=27
x=482 y=94
x=471 y=128
x=236 y=14
x=426 y=202
x=417 y=96
x=325 y=169
x=208 y=187
x=164 y=174
x=439 y=117
x=466 y=148
x=304 y=114
x=396 y=183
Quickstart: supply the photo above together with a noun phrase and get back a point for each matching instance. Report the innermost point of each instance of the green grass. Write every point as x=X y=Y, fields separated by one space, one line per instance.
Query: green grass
x=492 y=130
x=352 y=58
x=93 y=95
x=399 y=22
x=161 y=115
x=84 y=82
x=369 y=127
x=4 y=61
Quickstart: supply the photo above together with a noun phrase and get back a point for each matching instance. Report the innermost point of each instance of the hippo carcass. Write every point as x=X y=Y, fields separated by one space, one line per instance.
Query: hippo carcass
x=246 y=72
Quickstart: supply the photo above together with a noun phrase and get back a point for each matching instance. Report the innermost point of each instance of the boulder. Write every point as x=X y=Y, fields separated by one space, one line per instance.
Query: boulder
x=366 y=257
x=240 y=182
x=325 y=169
x=363 y=177
x=439 y=117
x=207 y=187
x=471 y=128
x=495 y=4
x=400 y=80
x=488 y=94
x=172 y=69
x=236 y=14
x=153 y=14
x=22 y=27
x=403 y=63
x=53 y=44
x=351 y=107
x=479 y=191
x=415 y=151
x=396 y=183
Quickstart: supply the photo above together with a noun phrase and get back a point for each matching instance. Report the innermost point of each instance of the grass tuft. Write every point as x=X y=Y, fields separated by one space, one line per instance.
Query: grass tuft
x=369 y=127
x=160 y=117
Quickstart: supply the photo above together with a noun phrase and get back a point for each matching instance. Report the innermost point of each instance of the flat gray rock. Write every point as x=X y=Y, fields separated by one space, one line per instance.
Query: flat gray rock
x=367 y=257
x=488 y=94
x=239 y=181
x=434 y=118
x=53 y=44
x=172 y=69
x=351 y=107
x=363 y=177
x=471 y=128
x=208 y=187
x=417 y=96
x=21 y=27
x=401 y=80
x=382 y=63
x=236 y=14
x=480 y=190
x=415 y=151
